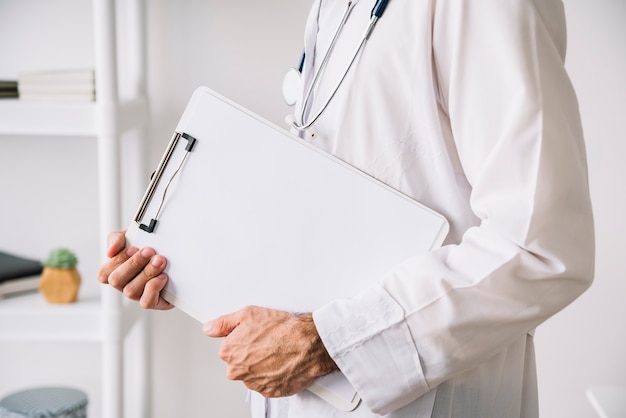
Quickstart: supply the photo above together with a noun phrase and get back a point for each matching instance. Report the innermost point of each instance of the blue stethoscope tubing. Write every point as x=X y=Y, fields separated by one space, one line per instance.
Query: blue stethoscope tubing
x=291 y=81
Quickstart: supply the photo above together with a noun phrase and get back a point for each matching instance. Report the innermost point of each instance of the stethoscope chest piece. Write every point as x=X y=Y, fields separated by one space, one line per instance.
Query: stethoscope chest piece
x=291 y=86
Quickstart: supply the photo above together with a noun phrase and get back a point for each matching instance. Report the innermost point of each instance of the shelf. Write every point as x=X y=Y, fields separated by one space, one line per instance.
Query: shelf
x=18 y=117
x=101 y=315
x=45 y=118
x=29 y=317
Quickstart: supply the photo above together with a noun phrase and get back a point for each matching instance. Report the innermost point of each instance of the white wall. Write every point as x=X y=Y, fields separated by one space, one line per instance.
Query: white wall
x=241 y=49
x=584 y=345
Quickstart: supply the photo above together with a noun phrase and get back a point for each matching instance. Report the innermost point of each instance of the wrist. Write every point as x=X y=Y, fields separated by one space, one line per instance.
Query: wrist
x=321 y=362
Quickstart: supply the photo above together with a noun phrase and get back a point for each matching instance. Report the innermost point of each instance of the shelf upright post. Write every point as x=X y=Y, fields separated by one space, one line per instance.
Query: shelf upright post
x=104 y=19
x=137 y=74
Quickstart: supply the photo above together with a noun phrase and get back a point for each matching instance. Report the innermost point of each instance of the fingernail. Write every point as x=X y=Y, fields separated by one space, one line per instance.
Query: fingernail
x=157 y=261
x=147 y=252
x=130 y=251
x=206 y=328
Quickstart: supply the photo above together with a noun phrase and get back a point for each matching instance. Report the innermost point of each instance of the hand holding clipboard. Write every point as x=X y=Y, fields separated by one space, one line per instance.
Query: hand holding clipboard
x=248 y=214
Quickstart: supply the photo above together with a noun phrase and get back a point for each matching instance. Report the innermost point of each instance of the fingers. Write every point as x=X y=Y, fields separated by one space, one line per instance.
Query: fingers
x=222 y=326
x=117 y=242
x=130 y=270
x=115 y=261
x=137 y=273
x=132 y=276
x=151 y=296
x=225 y=324
x=123 y=267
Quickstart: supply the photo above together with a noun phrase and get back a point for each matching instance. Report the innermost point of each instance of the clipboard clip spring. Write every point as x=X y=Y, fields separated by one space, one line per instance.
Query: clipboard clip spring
x=156 y=178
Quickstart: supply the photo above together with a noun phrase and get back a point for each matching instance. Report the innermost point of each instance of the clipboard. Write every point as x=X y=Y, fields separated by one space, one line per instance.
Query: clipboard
x=249 y=214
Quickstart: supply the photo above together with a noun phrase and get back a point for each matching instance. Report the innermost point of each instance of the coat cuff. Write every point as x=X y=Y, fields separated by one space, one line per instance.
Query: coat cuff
x=369 y=340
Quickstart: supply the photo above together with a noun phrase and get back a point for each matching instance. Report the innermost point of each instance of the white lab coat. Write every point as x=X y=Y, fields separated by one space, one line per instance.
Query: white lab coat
x=466 y=107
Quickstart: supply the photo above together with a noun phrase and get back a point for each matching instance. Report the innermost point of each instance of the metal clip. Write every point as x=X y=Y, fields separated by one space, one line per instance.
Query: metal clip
x=156 y=178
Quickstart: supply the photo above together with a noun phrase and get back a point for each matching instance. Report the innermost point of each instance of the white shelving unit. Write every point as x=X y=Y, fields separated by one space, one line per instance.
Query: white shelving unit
x=103 y=319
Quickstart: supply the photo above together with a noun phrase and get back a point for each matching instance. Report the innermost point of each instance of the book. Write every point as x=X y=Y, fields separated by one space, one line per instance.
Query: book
x=57 y=88
x=18 y=274
x=68 y=96
x=8 y=88
x=57 y=77
x=61 y=85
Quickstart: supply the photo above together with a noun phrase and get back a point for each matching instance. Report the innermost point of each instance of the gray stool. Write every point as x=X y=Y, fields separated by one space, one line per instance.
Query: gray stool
x=45 y=402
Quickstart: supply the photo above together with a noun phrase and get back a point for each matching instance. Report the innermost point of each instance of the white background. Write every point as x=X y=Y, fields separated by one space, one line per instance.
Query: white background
x=241 y=48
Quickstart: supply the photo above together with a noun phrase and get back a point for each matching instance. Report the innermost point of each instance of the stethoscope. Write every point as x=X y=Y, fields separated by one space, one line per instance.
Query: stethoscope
x=291 y=83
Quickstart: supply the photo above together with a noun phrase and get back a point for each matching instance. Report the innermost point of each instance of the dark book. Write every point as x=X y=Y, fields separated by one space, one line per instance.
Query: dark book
x=18 y=274
x=8 y=88
x=8 y=85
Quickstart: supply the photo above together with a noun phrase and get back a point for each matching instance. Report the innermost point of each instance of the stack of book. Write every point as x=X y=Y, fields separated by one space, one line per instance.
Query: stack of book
x=68 y=85
x=8 y=88
x=18 y=274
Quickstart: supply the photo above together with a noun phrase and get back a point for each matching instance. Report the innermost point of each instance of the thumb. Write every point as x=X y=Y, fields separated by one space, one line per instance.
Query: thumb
x=116 y=242
x=220 y=327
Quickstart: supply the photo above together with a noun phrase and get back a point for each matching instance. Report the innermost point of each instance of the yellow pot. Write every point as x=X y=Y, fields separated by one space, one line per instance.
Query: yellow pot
x=59 y=285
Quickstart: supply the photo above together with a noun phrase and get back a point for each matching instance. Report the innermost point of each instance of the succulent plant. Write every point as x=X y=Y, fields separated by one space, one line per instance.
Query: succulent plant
x=61 y=258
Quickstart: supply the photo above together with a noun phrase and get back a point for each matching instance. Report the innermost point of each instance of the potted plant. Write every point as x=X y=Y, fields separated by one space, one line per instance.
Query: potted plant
x=60 y=279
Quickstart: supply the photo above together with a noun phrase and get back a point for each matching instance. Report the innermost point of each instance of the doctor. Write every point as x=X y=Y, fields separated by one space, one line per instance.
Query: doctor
x=466 y=107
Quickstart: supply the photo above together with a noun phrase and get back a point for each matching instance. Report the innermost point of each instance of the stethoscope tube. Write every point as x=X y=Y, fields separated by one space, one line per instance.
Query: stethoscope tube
x=320 y=70
x=376 y=14
x=379 y=8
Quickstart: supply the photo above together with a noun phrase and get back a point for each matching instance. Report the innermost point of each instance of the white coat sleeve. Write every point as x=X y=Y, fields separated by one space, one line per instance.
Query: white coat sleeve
x=516 y=127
